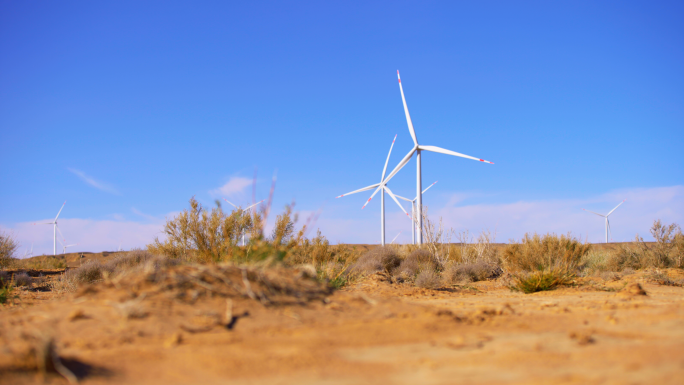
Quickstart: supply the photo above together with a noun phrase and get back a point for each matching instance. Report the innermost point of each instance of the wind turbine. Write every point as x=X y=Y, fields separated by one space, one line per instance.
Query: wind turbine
x=413 y=211
x=606 y=218
x=64 y=246
x=417 y=148
x=381 y=185
x=27 y=253
x=237 y=208
x=54 y=230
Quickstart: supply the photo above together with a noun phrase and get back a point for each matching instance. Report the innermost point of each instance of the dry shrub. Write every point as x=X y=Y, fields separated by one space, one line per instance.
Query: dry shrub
x=550 y=251
x=8 y=246
x=129 y=260
x=470 y=272
x=203 y=235
x=379 y=259
x=480 y=249
x=667 y=251
x=5 y=279
x=660 y=278
x=22 y=279
x=90 y=272
x=269 y=285
x=417 y=261
x=428 y=279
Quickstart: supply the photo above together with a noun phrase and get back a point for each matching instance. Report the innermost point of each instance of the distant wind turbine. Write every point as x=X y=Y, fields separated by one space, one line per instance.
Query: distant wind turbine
x=606 y=219
x=413 y=212
x=54 y=230
x=28 y=254
x=384 y=187
x=417 y=148
x=237 y=208
x=65 y=247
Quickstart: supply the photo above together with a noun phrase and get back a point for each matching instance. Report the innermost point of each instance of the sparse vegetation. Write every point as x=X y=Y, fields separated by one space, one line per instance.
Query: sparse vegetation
x=8 y=246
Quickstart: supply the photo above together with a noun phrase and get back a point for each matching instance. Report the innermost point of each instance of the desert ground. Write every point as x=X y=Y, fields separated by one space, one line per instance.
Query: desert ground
x=227 y=324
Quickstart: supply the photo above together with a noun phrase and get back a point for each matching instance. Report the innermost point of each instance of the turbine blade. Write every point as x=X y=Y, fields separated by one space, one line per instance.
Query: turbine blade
x=610 y=233
x=401 y=197
x=449 y=152
x=249 y=207
x=396 y=201
x=428 y=187
x=611 y=211
x=369 y=199
x=60 y=211
x=43 y=223
x=600 y=215
x=61 y=235
x=360 y=190
x=388 y=156
x=406 y=111
x=229 y=202
x=395 y=238
x=401 y=165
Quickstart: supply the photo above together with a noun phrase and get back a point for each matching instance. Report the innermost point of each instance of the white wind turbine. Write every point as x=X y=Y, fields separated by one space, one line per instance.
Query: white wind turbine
x=54 y=230
x=417 y=148
x=413 y=212
x=28 y=254
x=606 y=218
x=237 y=208
x=382 y=185
x=65 y=247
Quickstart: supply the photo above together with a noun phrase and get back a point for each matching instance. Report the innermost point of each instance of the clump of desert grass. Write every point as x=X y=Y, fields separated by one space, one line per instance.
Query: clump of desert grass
x=544 y=262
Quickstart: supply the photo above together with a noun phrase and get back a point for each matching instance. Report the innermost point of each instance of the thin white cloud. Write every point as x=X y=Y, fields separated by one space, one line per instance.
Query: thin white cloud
x=235 y=186
x=90 y=235
x=146 y=216
x=512 y=220
x=95 y=183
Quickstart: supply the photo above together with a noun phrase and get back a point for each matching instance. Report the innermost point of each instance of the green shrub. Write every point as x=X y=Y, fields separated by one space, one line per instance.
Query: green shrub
x=543 y=279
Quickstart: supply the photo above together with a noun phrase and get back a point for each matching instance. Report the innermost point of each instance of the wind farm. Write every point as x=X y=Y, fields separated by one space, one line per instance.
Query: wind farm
x=183 y=259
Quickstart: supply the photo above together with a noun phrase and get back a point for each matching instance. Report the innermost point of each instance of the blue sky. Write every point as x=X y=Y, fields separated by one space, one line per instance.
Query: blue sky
x=127 y=109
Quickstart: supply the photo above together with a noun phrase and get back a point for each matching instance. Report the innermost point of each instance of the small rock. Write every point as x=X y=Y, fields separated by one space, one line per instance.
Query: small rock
x=582 y=338
x=77 y=315
x=175 y=340
x=634 y=289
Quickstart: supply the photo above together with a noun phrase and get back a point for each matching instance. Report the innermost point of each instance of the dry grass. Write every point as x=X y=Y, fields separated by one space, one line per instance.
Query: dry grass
x=470 y=272
x=22 y=280
x=380 y=259
x=537 y=252
x=428 y=279
x=8 y=246
x=543 y=279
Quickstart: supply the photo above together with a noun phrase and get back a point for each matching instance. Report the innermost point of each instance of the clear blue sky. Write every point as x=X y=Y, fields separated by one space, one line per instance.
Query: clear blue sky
x=577 y=103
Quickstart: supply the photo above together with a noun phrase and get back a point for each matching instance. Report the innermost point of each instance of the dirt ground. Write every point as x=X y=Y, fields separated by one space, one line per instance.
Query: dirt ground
x=599 y=332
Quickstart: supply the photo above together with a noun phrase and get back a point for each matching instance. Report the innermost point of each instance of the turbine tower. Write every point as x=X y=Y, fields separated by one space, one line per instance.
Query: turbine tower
x=417 y=148
x=606 y=219
x=237 y=208
x=382 y=197
x=54 y=230
x=413 y=212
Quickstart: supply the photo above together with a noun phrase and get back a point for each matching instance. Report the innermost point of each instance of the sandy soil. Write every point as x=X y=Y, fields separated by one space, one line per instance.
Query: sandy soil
x=374 y=332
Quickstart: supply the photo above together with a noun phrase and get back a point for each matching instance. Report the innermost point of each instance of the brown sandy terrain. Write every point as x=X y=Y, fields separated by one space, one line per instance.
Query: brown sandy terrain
x=373 y=332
